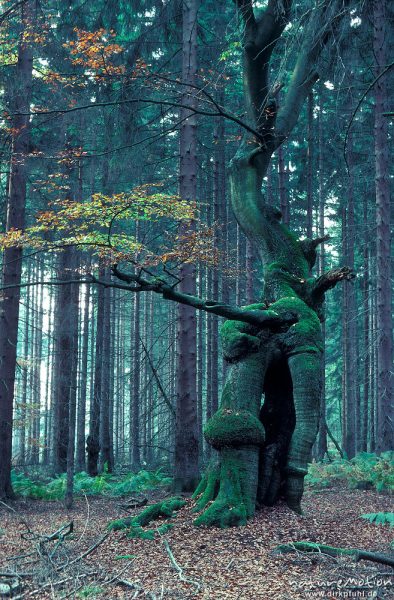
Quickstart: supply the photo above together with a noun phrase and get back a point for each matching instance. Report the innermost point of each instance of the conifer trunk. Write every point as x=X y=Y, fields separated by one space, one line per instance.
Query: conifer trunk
x=186 y=437
x=12 y=257
x=385 y=400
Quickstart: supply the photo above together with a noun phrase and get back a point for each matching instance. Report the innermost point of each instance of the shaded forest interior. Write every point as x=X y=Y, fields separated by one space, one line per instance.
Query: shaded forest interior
x=196 y=295
x=167 y=165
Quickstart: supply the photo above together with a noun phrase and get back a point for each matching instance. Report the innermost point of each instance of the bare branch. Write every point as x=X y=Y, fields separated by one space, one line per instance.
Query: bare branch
x=322 y=25
x=369 y=88
x=220 y=112
x=330 y=279
x=259 y=318
x=245 y=8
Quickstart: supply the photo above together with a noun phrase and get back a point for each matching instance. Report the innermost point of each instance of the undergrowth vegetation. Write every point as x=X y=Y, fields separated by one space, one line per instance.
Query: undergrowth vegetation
x=364 y=471
x=109 y=484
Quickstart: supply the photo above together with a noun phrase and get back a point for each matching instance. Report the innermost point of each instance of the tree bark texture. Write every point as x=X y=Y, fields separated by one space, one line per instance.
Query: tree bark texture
x=385 y=400
x=186 y=437
x=12 y=257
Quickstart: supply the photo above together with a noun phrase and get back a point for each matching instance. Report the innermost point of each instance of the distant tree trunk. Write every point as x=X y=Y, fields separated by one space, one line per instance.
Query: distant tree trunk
x=12 y=257
x=82 y=388
x=135 y=388
x=322 y=438
x=25 y=371
x=349 y=432
x=283 y=192
x=37 y=358
x=310 y=170
x=385 y=401
x=93 y=439
x=373 y=376
x=249 y=263
x=74 y=299
x=186 y=437
x=48 y=384
x=106 y=453
x=366 y=326
x=200 y=363
x=65 y=318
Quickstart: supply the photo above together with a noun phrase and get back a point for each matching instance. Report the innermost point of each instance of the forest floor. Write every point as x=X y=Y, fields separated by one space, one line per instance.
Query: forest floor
x=231 y=564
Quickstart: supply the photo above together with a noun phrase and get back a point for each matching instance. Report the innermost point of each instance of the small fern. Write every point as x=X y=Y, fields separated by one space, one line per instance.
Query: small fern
x=364 y=471
x=379 y=518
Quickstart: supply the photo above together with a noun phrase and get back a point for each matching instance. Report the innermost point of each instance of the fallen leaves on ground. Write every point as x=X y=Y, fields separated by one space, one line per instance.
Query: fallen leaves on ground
x=231 y=564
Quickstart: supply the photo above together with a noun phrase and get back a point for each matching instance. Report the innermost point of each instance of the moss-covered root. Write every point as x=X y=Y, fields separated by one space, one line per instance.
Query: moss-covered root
x=228 y=491
x=166 y=509
x=305 y=369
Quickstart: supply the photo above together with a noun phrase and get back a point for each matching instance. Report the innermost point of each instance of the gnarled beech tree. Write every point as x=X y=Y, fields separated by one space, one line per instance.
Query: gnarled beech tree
x=264 y=450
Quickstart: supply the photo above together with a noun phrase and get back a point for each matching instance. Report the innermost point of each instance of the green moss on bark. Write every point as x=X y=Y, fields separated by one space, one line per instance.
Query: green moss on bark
x=232 y=487
x=232 y=428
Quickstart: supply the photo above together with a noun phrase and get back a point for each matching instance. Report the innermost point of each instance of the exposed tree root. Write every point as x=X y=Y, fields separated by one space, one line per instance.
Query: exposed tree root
x=136 y=524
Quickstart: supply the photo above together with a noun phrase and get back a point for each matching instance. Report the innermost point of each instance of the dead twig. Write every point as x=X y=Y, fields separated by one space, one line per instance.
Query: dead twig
x=135 y=586
x=53 y=584
x=86 y=553
x=179 y=569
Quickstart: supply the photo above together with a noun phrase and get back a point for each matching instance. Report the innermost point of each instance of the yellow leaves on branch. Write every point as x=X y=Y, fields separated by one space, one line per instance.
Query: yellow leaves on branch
x=193 y=245
x=103 y=222
x=95 y=51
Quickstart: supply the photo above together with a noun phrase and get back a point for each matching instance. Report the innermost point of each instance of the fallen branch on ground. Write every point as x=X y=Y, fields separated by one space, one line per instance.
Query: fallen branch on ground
x=336 y=552
x=88 y=551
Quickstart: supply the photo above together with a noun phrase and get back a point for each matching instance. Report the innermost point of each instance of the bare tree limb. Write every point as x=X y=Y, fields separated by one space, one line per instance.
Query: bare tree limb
x=330 y=279
x=259 y=318
x=156 y=376
x=319 y=31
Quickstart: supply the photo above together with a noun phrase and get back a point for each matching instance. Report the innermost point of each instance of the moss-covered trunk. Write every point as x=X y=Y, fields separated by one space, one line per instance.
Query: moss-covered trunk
x=264 y=447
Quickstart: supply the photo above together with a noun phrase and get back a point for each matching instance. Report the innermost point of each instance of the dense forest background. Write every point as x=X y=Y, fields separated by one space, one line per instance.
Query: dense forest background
x=94 y=104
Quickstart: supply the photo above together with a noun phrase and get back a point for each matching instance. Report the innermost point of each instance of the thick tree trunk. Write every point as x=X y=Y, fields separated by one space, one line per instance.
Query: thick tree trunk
x=12 y=257
x=385 y=400
x=288 y=366
x=186 y=436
